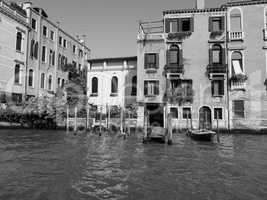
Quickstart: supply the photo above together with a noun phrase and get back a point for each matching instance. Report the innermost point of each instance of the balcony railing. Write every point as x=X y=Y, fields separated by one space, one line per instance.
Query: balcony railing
x=174 y=69
x=216 y=69
x=238 y=85
x=177 y=95
x=237 y=35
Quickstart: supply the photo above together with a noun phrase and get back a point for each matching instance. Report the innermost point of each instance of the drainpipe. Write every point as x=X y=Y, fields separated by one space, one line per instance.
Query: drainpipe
x=27 y=62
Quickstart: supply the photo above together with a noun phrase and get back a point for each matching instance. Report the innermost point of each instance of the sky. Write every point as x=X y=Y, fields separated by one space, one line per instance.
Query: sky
x=110 y=26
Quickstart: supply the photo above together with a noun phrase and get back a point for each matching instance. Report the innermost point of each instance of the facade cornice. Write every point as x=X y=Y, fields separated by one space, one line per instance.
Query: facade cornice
x=191 y=11
x=244 y=3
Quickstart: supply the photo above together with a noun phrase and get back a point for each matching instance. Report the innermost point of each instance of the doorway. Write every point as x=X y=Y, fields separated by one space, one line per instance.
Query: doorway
x=155 y=114
x=205 y=118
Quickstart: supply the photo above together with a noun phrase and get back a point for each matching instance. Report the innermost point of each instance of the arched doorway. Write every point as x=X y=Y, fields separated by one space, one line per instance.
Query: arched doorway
x=205 y=118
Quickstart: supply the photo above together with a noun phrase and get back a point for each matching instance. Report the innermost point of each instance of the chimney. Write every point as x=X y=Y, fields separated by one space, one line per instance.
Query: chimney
x=27 y=6
x=200 y=4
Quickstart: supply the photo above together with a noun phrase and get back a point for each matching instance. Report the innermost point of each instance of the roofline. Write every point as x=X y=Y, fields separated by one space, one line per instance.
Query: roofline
x=193 y=10
x=244 y=3
x=129 y=58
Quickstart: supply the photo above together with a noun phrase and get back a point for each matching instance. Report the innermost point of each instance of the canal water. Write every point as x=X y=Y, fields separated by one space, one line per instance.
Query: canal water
x=49 y=165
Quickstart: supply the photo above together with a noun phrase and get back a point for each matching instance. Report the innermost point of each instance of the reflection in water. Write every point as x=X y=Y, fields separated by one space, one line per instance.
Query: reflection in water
x=51 y=165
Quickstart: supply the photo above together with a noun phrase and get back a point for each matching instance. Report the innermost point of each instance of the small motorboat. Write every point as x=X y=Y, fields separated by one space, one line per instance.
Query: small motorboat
x=201 y=135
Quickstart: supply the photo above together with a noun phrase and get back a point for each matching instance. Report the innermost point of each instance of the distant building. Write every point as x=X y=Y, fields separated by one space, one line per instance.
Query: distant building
x=112 y=82
x=13 y=52
x=45 y=48
x=205 y=64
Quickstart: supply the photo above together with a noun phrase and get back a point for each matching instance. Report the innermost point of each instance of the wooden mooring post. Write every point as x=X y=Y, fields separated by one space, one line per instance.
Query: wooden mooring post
x=87 y=117
x=68 y=121
x=145 y=138
x=75 y=119
x=100 y=122
x=169 y=129
x=218 y=136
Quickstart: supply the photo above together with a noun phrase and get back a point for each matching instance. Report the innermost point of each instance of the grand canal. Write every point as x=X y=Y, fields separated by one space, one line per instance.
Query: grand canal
x=49 y=165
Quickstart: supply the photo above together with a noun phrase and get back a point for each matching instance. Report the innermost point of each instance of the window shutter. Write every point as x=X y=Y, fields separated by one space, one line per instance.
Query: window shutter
x=210 y=25
x=223 y=56
x=145 y=88
x=180 y=57
x=156 y=88
x=210 y=57
x=146 y=60
x=167 y=25
x=179 y=24
x=222 y=23
x=192 y=24
x=157 y=60
x=168 y=57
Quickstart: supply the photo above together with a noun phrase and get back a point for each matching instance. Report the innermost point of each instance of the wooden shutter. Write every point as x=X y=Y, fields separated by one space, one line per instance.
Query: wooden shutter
x=146 y=60
x=222 y=23
x=157 y=60
x=210 y=24
x=167 y=25
x=192 y=24
x=210 y=57
x=180 y=57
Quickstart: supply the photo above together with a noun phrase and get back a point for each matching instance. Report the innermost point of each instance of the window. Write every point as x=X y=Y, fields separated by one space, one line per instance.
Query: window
x=216 y=55
x=42 y=80
x=238 y=109
x=60 y=40
x=94 y=85
x=151 y=88
x=50 y=82
x=17 y=74
x=237 y=64
x=235 y=20
x=186 y=113
x=218 y=113
x=114 y=85
x=44 y=54
x=32 y=48
x=44 y=31
x=80 y=53
x=53 y=58
x=58 y=82
x=151 y=60
x=182 y=88
x=34 y=26
x=134 y=85
x=50 y=56
x=52 y=35
x=19 y=41
x=174 y=55
x=74 y=64
x=217 y=87
x=36 y=50
x=64 y=43
x=186 y=24
x=30 y=81
x=216 y=24
x=174 y=113
x=16 y=98
x=62 y=83
x=59 y=61
x=74 y=49
x=174 y=26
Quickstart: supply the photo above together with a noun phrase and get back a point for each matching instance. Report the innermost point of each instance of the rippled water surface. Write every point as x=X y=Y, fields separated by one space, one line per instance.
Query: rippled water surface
x=49 y=165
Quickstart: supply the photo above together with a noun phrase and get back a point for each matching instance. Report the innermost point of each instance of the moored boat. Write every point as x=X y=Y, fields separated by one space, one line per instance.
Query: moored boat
x=201 y=135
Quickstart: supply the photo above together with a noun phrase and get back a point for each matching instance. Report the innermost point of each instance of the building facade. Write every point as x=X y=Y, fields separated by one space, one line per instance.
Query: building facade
x=13 y=52
x=205 y=66
x=112 y=82
x=47 y=49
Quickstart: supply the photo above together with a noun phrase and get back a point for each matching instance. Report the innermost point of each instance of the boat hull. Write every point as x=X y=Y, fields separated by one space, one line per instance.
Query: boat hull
x=201 y=136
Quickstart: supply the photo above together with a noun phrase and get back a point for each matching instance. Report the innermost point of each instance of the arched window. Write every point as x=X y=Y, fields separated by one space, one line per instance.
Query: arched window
x=94 y=85
x=30 y=83
x=134 y=85
x=217 y=54
x=237 y=63
x=235 y=20
x=19 y=41
x=42 y=80
x=114 y=85
x=17 y=74
x=50 y=82
x=174 y=55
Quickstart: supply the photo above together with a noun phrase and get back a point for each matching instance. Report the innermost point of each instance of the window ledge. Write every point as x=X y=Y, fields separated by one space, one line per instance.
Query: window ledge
x=150 y=95
x=93 y=95
x=18 y=51
x=114 y=94
x=151 y=70
x=218 y=96
x=18 y=84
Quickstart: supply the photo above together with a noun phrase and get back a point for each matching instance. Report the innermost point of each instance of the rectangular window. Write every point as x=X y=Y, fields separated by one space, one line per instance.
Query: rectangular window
x=174 y=26
x=185 y=24
x=151 y=88
x=216 y=56
x=44 y=54
x=238 y=108
x=60 y=41
x=218 y=113
x=74 y=49
x=52 y=35
x=151 y=60
x=45 y=31
x=173 y=57
x=58 y=82
x=174 y=113
x=186 y=113
x=64 y=43
x=217 y=87
x=34 y=26
x=216 y=24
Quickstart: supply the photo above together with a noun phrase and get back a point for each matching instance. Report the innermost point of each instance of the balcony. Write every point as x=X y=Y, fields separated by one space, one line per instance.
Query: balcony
x=216 y=69
x=235 y=36
x=238 y=85
x=179 y=95
x=178 y=69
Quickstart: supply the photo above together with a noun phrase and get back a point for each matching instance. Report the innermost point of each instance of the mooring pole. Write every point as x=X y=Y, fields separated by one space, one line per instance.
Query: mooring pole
x=218 y=137
x=169 y=129
x=187 y=120
x=100 y=122
x=87 y=117
x=67 y=123
x=145 y=128
x=75 y=118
